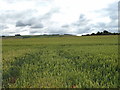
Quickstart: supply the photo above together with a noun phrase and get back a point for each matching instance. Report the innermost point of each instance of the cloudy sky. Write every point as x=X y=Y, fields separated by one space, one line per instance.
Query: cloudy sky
x=35 y=17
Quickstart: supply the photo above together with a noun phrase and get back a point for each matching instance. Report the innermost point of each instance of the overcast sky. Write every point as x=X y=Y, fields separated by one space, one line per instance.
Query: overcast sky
x=34 y=17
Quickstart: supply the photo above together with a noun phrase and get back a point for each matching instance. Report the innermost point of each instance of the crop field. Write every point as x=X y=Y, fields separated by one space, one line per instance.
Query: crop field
x=61 y=62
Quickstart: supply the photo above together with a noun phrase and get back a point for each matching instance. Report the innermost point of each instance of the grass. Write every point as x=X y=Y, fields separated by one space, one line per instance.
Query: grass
x=61 y=62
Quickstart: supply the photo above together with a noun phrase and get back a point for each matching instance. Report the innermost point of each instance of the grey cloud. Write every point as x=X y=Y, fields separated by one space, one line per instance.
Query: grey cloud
x=32 y=22
x=82 y=18
x=49 y=14
x=82 y=21
x=112 y=12
x=27 y=22
x=37 y=26
x=36 y=22
x=84 y=29
x=28 y=17
x=21 y=24
x=11 y=16
x=21 y=19
x=99 y=25
x=3 y=27
x=83 y=25
x=65 y=26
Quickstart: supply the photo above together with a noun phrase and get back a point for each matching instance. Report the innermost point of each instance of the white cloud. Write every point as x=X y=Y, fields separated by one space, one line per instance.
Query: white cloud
x=48 y=16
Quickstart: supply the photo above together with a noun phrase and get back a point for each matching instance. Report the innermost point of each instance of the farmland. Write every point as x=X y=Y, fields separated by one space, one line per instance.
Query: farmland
x=61 y=62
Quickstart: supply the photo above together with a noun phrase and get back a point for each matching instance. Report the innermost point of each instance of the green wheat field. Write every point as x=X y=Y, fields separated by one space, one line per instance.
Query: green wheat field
x=61 y=62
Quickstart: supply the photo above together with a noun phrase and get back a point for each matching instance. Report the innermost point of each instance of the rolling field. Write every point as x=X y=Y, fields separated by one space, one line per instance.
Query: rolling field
x=61 y=62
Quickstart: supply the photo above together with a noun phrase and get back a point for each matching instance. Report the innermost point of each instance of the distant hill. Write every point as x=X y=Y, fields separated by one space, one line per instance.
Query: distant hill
x=35 y=36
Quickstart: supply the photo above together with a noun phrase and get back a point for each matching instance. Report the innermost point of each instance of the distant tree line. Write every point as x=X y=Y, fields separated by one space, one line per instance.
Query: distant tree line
x=105 y=32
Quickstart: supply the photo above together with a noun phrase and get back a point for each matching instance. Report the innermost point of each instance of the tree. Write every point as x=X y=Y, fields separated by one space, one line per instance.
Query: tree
x=93 y=34
x=98 y=33
x=105 y=32
x=17 y=35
